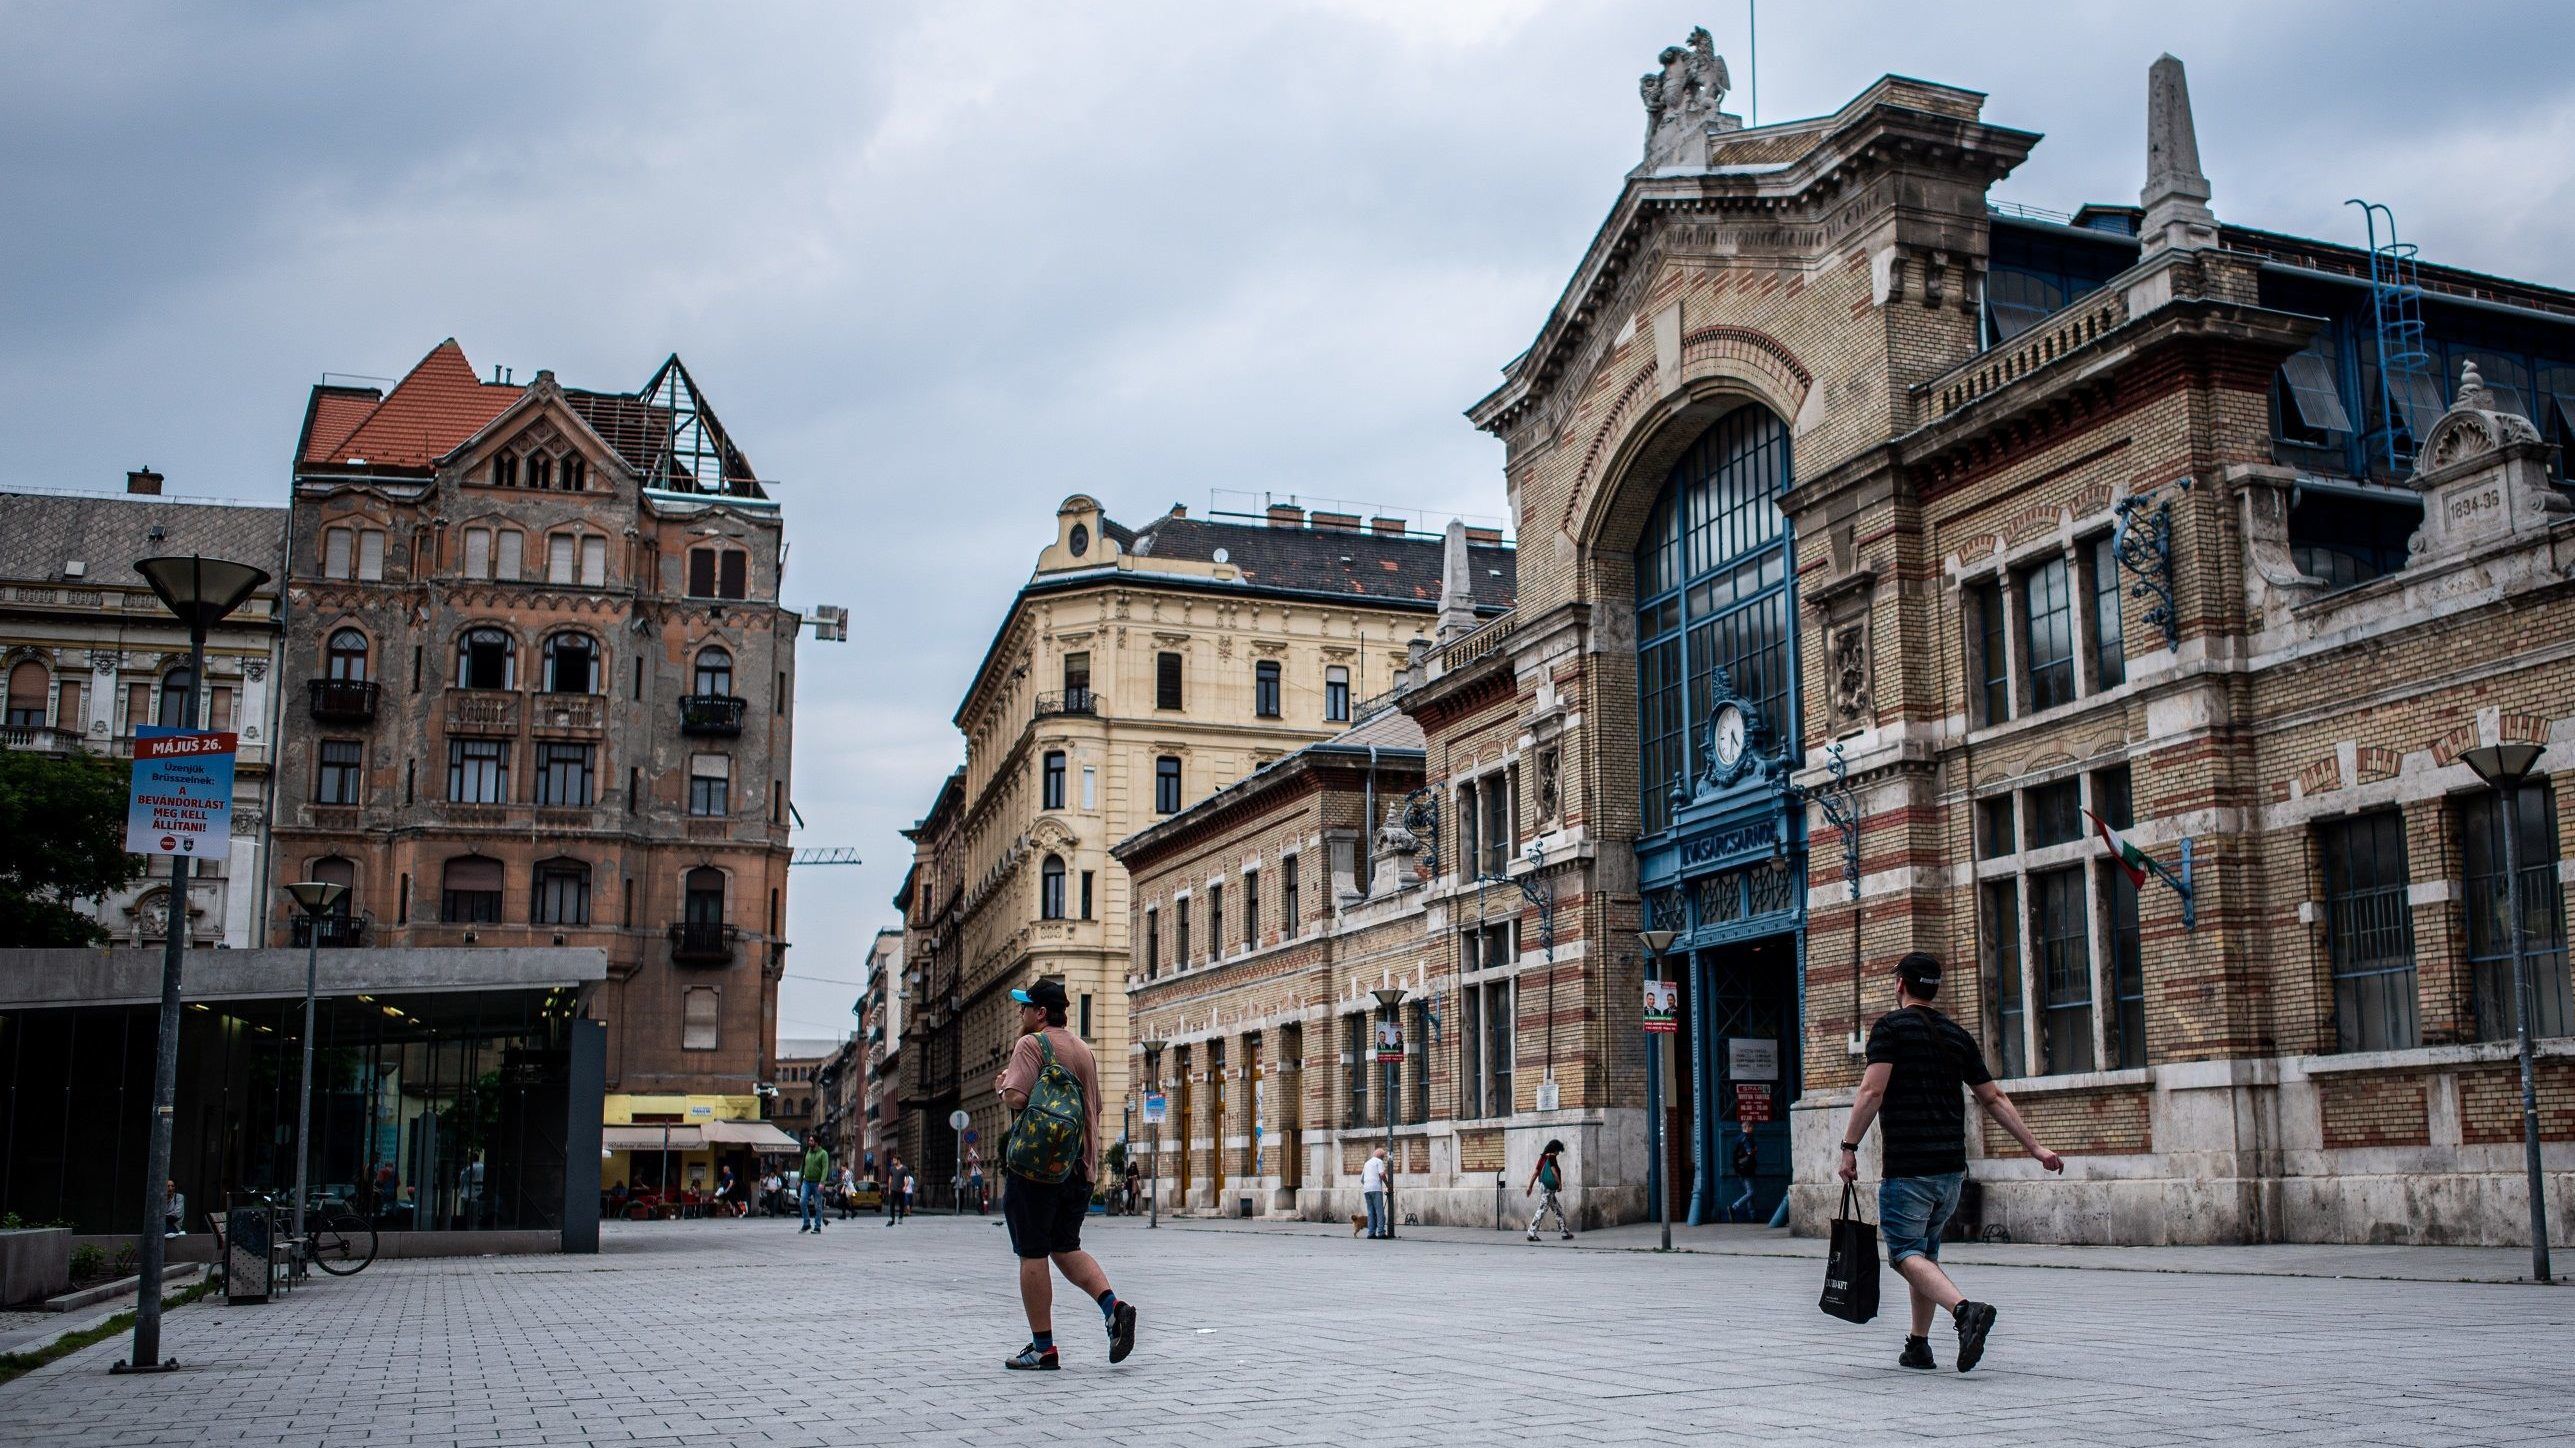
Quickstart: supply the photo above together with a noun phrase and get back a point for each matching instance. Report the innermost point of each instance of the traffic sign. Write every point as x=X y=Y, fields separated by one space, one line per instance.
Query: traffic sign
x=180 y=798
x=957 y=1120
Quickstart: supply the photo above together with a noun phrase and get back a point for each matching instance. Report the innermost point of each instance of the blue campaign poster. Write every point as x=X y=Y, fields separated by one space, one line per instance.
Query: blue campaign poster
x=180 y=800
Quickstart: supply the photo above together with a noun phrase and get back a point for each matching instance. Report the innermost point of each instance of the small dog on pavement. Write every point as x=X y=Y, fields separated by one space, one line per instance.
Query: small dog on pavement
x=1358 y=1223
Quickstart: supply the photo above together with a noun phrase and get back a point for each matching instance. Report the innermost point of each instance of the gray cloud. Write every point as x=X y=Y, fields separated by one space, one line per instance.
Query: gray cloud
x=939 y=265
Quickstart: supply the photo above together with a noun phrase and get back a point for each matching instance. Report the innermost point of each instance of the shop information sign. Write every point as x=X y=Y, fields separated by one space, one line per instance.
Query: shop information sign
x=180 y=801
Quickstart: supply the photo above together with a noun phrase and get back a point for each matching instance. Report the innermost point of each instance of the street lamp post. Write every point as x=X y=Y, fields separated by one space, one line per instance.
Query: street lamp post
x=1391 y=996
x=1153 y=1081
x=315 y=898
x=2507 y=767
x=199 y=592
x=1656 y=942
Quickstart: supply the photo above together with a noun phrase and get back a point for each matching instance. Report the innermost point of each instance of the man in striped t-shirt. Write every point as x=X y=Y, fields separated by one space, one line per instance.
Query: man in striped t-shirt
x=1920 y=1065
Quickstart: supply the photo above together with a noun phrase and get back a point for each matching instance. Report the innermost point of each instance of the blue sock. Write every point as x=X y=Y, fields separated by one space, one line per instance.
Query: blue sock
x=1044 y=1341
x=1109 y=1306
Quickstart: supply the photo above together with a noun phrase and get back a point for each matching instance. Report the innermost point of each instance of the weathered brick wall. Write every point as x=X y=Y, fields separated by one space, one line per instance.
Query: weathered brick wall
x=2080 y=1123
x=2375 y=1111
x=2490 y=1104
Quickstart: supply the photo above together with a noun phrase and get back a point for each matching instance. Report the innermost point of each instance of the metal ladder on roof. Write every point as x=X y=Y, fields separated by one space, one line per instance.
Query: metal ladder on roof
x=2405 y=377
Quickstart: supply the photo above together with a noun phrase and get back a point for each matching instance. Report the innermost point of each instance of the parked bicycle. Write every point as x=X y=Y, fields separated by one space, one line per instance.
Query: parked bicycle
x=337 y=1240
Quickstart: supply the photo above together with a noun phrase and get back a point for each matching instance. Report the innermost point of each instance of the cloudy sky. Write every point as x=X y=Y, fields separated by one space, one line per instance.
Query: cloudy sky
x=939 y=265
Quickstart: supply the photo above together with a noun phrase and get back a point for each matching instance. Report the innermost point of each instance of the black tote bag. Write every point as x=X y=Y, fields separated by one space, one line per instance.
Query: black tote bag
x=1851 y=1267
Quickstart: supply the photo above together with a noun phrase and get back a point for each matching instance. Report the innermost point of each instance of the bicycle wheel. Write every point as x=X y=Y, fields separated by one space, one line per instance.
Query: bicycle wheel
x=343 y=1243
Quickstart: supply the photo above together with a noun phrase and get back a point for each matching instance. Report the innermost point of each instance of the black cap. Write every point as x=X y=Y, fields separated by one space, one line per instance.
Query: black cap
x=1047 y=991
x=1920 y=973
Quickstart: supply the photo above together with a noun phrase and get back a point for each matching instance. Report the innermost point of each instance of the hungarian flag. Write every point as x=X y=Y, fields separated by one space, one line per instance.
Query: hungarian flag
x=2132 y=860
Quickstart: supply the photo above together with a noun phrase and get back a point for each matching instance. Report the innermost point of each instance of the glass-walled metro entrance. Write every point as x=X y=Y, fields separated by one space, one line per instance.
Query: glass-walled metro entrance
x=1721 y=853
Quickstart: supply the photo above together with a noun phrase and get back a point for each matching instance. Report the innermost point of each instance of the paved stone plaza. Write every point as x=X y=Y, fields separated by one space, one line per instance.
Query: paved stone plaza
x=746 y=1332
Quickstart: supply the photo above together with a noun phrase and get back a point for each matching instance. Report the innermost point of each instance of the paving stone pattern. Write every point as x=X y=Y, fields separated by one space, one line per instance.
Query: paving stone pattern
x=747 y=1332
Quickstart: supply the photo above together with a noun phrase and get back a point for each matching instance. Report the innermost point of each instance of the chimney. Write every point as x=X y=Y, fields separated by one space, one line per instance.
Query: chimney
x=1484 y=537
x=1286 y=515
x=1336 y=522
x=1387 y=527
x=143 y=481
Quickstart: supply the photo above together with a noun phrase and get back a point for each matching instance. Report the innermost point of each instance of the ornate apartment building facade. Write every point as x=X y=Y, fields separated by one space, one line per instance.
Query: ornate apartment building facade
x=541 y=694
x=1877 y=539
x=1138 y=669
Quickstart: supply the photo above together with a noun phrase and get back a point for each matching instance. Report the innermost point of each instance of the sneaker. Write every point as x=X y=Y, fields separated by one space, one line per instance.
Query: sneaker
x=1566 y=1238
x=1030 y=1360
x=1122 y=1332
x=1975 y=1320
x=1916 y=1354
x=1533 y=1236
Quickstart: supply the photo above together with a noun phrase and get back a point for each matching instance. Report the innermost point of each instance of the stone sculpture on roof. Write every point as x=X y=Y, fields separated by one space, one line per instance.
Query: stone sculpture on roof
x=1682 y=100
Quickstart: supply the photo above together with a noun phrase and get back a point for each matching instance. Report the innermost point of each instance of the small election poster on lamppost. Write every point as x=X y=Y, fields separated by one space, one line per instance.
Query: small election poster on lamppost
x=1155 y=1104
x=1390 y=1042
x=1661 y=1000
x=180 y=801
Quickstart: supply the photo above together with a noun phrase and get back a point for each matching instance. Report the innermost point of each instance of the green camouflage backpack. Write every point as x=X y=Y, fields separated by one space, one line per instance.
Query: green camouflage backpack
x=1046 y=1142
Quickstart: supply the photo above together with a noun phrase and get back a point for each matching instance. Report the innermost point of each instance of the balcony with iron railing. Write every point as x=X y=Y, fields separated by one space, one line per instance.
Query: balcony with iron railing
x=711 y=714
x=1071 y=701
x=342 y=701
x=337 y=932
x=703 y=942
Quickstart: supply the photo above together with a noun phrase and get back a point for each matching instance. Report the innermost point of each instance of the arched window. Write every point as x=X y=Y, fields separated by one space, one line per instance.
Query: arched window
x=28 y=685
x=571 y=664
x=540 y=470
x=174 y=696
x=470 y=893
x=1050 y=889
x=562 y=893
x=485 y=660
x=346 y=655
x=705 y=899
x=714 y=673
x=332 y=870
x=1712 y=594
x=576 y=472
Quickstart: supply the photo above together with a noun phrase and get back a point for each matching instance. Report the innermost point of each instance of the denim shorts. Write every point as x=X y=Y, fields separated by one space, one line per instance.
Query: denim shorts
x=1913 y=1210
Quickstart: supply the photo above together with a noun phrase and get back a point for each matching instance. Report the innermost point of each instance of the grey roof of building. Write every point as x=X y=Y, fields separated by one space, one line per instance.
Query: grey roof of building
x=807 y=1048
x=40 y=532
x=1399 y=567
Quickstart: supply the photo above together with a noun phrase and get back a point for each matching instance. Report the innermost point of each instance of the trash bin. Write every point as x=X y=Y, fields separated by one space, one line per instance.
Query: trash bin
x=248 y=1245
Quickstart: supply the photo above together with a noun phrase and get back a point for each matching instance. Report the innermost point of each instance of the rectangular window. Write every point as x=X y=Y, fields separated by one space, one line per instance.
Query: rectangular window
x=1992 y=663
x=219 y=707
x=1344 y=855
x=732 y=574
x=1077 y=681
x=1470 y=1052
x=710 y=785
x=2127 y=971
x=1084 y=1028
x=342 y=761
x=701 y=573
x=563 y=773
x=1470 y=851
x=1358 y=1047
x=1166 y=785
x=2369 y=932
x=1216 y=921
x=72 y=713
x=1500 y=1023
x=2049 y=598
x=698 y=1019
x=471 y=893
x=478 y=771
x=371 y=555
x=2056 y=814
x=1090 y=787
x=1417 y=1062
x=1994 y=833
x=2109 y=629
x=1287 y=897
x=1152 y=944
x=558 y=558
x=507 y=547
x=2060 y=928
x=562 y=895
x=2113 y=798
x=594 y=561
x=1251 y=909
x=1498 y=840
x=1180 y=932
x=1087 y=877
x=1051 y=780
x=1166 y=681
x=138 y=706
x=478 y=552
x=2002 y=903
x=2486 y=902
x=336 y=557
x=1265 y=689
x=1336 y=694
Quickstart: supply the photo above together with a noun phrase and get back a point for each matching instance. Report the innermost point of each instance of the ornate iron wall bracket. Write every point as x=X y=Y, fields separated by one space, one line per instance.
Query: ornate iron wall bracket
x=2143 y=544
x=1839 y=799
x=1421 y=816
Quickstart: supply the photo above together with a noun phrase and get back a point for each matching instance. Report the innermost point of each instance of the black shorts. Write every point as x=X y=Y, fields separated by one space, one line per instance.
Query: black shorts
x=1045 y=1218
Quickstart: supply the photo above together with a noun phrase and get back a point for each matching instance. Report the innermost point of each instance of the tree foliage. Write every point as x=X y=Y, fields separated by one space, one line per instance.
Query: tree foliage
x=62 y=841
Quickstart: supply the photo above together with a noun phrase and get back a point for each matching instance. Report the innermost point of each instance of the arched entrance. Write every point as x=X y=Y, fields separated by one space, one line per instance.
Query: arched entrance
x=1720 y=852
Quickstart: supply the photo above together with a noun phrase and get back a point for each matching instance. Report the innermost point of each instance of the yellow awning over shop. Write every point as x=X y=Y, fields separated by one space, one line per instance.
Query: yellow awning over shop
x=760 y=1136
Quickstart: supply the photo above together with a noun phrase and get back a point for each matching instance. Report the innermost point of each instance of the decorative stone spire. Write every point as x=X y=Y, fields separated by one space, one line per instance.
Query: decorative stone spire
x=1456 y=585
x=2176 y=194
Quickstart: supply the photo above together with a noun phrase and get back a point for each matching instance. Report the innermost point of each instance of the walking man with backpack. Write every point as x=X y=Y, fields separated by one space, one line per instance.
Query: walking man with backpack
x=1549 y=1176
x=1048 y=1164
x=1921 y=1064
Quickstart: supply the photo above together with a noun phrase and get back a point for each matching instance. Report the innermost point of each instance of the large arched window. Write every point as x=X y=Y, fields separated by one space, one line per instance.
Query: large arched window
x=714 y=673
x=174 y=697
x=28 y=686
x=486 y=660
x=1712 y=593
x=1050 y=889
x=571 y=664
x=346 y=656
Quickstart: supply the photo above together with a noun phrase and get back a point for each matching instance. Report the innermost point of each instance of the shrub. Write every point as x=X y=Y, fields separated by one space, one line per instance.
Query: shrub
x=89 y=1262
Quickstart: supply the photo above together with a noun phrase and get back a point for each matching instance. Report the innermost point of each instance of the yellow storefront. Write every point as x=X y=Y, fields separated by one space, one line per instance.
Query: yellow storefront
x=684 y=1142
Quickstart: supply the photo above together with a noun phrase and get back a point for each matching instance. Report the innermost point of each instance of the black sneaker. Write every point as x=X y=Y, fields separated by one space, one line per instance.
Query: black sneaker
x=1122 y=1332
x=1974 y=1319
x=1916 y=1354
x=1030 y=1360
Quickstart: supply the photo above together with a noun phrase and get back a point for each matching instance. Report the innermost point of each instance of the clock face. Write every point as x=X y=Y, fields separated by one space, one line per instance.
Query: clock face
x=1730 y=735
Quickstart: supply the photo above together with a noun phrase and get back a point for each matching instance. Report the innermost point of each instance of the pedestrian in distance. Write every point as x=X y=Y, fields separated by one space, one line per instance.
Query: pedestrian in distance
x=1372 y=1190
x=1049 y=1161
x=816 y=1180
x=892 y=1191
x=1548 y=1176
x=1921 y=1064
x=1747 y=1166
x=903 y=1197
x=728 y=1192
x=848 y=1193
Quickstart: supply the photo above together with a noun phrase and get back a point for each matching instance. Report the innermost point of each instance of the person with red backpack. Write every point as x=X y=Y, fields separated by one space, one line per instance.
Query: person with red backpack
x=1048 y=1163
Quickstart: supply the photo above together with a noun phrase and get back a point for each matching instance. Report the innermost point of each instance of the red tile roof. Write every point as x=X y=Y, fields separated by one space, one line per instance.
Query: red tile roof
x=337 y=411
x=438 y=405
